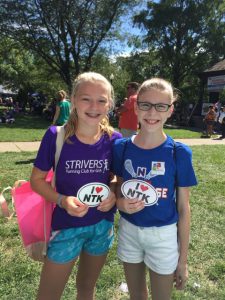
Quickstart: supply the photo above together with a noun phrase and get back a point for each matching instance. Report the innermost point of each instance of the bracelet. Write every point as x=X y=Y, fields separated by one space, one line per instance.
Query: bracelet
x=59 y=200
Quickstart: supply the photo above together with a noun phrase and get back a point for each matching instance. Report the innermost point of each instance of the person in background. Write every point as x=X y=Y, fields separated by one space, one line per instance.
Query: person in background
x=222 y=123
x=128 y=123
x=209 y=120
x=156 y=173
x=62 y=111
x=78 y=230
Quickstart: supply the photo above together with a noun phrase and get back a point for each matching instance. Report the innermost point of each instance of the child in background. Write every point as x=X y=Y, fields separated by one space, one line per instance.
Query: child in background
x=77 y=229
x=156 y=174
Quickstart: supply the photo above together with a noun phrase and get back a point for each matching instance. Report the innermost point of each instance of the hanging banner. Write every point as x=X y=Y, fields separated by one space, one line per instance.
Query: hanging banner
x=216 y=83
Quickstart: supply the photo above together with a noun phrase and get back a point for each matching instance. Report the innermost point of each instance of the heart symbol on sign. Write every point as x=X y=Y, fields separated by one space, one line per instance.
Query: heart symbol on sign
x=99 y=189
x=144 y=188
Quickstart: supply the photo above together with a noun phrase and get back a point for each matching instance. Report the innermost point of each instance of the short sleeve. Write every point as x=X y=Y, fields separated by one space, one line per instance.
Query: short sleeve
x=185 y=171
x=45 y=159
x=116 y=135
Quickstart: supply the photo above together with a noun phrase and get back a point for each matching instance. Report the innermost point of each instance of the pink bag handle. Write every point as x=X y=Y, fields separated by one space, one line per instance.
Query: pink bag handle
x=4 y=206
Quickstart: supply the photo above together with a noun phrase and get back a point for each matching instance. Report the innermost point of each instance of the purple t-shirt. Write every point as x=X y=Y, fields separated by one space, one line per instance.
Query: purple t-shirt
x=79 y=164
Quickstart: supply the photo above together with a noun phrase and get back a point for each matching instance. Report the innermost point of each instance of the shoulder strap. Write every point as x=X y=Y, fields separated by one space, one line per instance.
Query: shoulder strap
x=174 y=157
x=124 y=150
x=174 y=150
x=123 y=153
x=59 y=144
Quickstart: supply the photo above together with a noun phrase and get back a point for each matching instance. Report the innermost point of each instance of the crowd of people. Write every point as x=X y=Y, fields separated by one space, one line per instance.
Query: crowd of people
x=146 y=176
x=12 y=109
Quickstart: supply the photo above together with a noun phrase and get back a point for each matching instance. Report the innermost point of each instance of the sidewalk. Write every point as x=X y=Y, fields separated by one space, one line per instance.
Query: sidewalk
x=33 y=146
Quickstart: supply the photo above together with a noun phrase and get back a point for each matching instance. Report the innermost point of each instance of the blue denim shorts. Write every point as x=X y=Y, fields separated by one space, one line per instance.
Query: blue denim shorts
x=65 y=245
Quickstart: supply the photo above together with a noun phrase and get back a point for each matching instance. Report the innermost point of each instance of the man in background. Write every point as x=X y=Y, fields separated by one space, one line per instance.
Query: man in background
x=128 y=123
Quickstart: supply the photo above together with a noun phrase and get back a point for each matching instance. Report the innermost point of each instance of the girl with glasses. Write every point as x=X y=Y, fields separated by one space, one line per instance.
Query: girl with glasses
x=155 y=174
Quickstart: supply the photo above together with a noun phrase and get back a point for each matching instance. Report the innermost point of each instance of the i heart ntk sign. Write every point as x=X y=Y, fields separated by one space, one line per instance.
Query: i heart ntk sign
x=141 y=190
x=93 y=193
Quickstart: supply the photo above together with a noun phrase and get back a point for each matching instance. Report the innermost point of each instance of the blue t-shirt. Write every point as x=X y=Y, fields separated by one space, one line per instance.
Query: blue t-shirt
x=78 y=165
x=165 y=167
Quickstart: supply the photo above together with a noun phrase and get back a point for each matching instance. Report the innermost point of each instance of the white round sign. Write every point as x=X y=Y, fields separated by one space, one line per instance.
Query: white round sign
x=93 y=193
x=141 y=190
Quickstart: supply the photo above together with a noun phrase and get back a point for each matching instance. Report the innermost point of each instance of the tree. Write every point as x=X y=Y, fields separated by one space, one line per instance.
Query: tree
x=66 y=33
x=25 y=72
x=182 y=33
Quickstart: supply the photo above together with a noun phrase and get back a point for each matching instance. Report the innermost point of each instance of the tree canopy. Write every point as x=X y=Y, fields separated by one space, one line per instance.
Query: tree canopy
x=183 y=33
x=66 y=34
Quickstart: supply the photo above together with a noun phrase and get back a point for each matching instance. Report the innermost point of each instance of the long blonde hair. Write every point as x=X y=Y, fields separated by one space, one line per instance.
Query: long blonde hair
x=86 y=77
x=158 y=84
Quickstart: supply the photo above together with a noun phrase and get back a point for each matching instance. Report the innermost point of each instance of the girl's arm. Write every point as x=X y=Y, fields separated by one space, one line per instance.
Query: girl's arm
x=71 y=204
x=57 y=112
x=183 y=207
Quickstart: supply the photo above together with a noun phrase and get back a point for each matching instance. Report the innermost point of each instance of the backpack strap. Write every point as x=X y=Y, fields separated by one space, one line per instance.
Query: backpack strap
x=59 y=144
x=174 y=157
x=123 y=153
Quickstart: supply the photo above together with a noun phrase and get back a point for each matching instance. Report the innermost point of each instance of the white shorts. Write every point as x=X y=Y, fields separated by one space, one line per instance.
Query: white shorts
x=157 y=247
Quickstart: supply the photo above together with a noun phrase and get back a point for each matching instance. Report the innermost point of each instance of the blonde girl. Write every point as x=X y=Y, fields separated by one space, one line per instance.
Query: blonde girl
x=78 y=229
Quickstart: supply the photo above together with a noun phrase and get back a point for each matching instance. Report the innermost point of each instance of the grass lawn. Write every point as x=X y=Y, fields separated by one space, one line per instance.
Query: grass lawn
x=29 y=128
x=19 y=275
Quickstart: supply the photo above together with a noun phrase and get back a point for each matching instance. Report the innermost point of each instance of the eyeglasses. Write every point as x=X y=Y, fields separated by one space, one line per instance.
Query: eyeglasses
x=160 y=107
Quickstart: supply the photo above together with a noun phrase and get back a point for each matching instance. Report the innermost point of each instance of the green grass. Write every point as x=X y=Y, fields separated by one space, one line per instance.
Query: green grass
x=27 y=128
x=30 y=128
x=19 y=275
x=183 y=133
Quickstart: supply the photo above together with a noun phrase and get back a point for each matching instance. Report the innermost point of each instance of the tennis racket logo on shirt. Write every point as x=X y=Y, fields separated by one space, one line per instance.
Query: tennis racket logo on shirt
x=93 y=193
x=141 y=190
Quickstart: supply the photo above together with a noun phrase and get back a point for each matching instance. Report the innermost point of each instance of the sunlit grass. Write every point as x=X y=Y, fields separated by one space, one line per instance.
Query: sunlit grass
x=19 y=275
x=25 y=129
x=29 y=128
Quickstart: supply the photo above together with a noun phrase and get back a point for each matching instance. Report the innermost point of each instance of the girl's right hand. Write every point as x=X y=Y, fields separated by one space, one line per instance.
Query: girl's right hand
x=130 y=206
x=74 y=207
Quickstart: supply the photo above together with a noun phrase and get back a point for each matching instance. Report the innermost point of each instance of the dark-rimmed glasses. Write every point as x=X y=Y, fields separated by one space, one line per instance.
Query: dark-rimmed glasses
x=160 y=107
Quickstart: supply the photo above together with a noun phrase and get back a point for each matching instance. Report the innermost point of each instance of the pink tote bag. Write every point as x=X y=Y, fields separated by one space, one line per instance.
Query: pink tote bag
x=34 y=216
x=34 y=213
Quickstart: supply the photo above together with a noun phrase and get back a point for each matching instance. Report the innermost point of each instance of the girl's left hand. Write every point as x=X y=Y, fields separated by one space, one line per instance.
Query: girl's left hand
x=108 y=203
x=181 y=276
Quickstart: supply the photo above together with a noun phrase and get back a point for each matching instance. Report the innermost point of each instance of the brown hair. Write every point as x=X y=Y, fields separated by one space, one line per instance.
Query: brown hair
x=134 y=85
x=85 y=78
